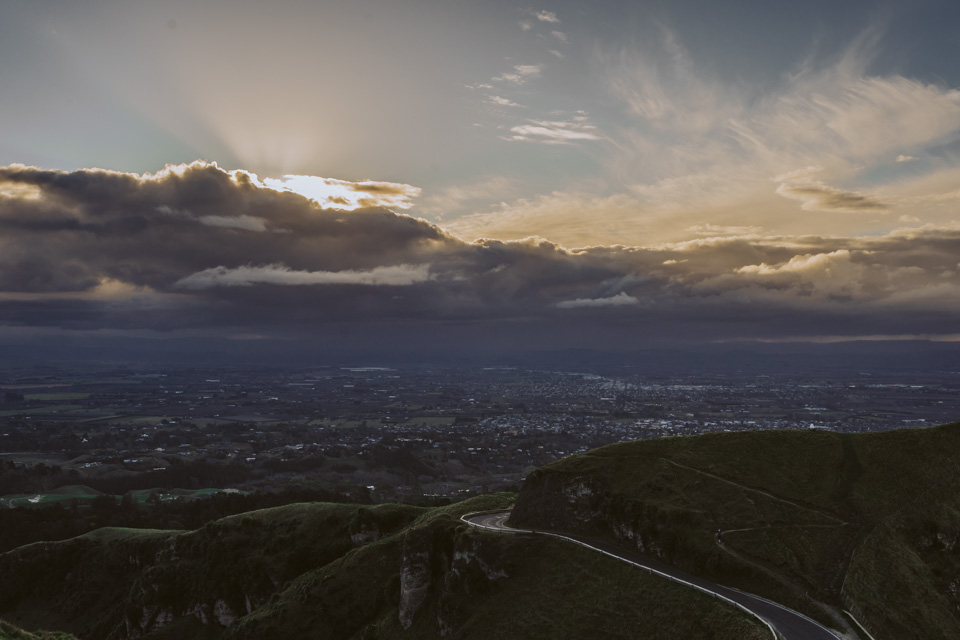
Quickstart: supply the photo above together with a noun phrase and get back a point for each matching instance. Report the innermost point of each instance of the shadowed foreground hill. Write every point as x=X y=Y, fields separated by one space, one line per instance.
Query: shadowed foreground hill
x=865 y=522
x=10 y=632
x=322 y=570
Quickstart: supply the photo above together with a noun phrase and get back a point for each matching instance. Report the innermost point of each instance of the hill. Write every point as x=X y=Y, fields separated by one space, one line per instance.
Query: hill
x=10 y=632
x=820 y=521
x=320 y=570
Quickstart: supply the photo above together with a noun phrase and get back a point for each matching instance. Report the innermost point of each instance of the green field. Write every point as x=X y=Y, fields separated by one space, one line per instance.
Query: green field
x=56 y=397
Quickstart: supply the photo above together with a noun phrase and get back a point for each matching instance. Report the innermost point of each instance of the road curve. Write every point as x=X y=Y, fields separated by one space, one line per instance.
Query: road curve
x=786 y=623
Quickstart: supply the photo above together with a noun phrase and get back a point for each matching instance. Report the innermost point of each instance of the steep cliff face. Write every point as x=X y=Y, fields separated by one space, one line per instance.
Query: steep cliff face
x=422 y=563
x=85 y=580
x=443 y=566
x=585 y=503
x=435 y=577
x=126 y=584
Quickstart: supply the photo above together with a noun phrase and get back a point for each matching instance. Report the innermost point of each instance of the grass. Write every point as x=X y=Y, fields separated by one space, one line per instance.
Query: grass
x=869 y=522
x=11 y=632
x=549 y=589
x=56 y=397
x=859 y=520
x=90 y=585
x=599 y=597
x=43 y=499
x=297 y=571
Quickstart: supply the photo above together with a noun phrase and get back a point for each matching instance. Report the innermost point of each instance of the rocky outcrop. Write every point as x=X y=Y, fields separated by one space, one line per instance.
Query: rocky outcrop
x=427 y=553
x=584 y=504
x=443 y=566
x=415 y=582
x=365 y=535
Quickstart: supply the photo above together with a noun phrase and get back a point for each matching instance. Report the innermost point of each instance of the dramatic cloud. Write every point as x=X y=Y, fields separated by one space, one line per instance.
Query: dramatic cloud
x=198 y=249
x=342 y=194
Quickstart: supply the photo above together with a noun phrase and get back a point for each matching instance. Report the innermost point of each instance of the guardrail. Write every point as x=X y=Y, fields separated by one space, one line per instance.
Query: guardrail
x=858 y=623
x=773 y=632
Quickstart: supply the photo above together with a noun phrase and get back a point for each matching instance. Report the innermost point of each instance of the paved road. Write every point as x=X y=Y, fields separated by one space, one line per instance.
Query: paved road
x=790 y=624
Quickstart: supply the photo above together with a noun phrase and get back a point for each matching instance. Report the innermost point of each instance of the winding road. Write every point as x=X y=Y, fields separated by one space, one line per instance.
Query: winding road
x=783 y=622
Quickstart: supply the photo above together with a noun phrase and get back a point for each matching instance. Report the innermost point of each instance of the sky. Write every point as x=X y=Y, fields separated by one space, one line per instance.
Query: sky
x=594 y=174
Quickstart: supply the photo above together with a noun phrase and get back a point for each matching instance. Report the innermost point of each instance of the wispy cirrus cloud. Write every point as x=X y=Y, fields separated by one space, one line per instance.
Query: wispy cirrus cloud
x=502 y=102
x=521 y=74
x=547 y=16
x=456 y=197
x=694 y=150
x=554 y=131
x=713 y=230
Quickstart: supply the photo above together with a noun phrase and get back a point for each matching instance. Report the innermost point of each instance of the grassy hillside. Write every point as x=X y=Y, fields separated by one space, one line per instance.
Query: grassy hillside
x=10 y=632
x=338 y=571
x=868 y=522
x=121 y=582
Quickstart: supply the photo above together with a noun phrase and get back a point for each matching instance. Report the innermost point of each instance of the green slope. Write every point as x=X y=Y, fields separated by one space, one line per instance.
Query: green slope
x=868 y=522
x=10 y=632
x=340 y=571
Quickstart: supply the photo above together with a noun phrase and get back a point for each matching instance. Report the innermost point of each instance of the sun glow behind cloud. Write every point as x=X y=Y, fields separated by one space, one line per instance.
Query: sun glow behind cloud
x=346 y=195
x=683 y=170
x=105 y=249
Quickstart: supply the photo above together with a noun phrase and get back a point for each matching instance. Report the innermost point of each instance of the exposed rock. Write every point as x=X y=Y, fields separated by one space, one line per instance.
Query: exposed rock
x=366 y=535
x=414 y=584
x=223 y=613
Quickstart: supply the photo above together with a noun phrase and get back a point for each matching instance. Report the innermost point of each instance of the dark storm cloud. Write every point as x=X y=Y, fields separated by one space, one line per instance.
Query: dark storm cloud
x=203 y=249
